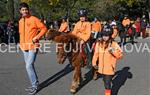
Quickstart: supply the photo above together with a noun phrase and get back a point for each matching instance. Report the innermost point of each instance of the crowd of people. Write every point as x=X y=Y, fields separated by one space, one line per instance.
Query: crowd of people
x=123 y=28
x=126 y=29
x=9 y=32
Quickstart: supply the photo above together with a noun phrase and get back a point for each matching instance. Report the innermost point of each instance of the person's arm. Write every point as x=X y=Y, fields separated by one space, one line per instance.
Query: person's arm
x=41 y=27
x=116 y=51
x=63 y=27
x=75 y=30
x=87 y=32
x=95 y=56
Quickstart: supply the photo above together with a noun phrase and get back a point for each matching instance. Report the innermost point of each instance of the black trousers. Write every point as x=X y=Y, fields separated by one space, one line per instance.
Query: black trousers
x=107 y=81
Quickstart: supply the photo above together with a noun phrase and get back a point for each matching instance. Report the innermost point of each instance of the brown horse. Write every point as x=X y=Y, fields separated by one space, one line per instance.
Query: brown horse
x=68 y=46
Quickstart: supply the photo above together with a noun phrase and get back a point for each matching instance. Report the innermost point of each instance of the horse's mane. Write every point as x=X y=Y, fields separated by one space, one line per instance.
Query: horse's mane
x=66 y=38
x=52 y=33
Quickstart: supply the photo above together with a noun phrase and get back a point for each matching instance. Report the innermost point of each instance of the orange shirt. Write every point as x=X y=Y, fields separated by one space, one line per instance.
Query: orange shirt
x=107 y=61
x=63 y=27
x=96 y=26
x=29 y=28
x=126 y=22
x=82 y=30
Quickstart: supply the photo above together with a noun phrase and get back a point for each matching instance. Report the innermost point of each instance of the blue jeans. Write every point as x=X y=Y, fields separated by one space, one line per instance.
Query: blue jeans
x=29 y=58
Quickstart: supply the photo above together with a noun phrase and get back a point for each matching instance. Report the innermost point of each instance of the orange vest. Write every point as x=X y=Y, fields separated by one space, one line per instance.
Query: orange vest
x=126 y=22
x=106 y=60
x=82 y=30
x=63 y=27
x=29 y=28
x=96 y=26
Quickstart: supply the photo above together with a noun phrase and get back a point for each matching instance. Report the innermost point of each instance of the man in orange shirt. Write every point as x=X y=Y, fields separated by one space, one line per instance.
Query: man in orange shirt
x=82 y=30
x=96 y=27
x=29 y=27
x=64 y=27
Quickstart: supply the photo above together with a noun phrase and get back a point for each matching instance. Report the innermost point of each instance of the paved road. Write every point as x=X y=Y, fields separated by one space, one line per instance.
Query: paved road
x=133 y=77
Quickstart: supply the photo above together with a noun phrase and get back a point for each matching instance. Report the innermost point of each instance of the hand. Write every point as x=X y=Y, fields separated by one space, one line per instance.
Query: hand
x=34 y=40
x=111 y=50
x=95 y=67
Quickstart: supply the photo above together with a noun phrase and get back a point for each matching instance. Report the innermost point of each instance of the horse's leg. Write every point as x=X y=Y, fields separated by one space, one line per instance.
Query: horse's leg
x=76 y=79
x=79 y=75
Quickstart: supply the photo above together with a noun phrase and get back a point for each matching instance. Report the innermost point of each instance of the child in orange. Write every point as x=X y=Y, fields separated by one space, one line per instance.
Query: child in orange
x=107 y=52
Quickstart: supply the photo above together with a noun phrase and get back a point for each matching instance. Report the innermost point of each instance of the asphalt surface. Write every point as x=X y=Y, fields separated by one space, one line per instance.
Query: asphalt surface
x=132 y=78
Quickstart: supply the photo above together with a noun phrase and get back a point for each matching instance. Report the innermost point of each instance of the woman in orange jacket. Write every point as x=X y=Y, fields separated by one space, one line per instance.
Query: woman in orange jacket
x=115 y=30
x=107 y=52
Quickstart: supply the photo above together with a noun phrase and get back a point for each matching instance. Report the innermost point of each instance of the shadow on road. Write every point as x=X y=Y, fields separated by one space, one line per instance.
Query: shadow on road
x=120 y=79
x=56 y=77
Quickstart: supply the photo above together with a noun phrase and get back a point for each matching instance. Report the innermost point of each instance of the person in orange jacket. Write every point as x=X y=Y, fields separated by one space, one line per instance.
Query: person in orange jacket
x=96 y=27
x=107 y=52
x=126 y=24
x=64 y=27
x=115 y=30
x=82 y=30
x=126 y=21
x=31 y=29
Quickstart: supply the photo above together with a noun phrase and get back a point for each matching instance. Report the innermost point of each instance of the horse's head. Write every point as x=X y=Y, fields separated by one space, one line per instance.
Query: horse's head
x=52 y=33
x=63 y=47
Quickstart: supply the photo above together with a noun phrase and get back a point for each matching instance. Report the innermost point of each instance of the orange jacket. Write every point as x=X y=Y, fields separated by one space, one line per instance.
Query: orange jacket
x=115 y=33
x=63 y=27
x=96 y=26
x=126 y=22
x=82 y=30
x=29 y=28
x=106 y=60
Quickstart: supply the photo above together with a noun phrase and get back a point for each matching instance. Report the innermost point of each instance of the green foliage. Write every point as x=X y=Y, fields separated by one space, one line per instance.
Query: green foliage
x=55 y=9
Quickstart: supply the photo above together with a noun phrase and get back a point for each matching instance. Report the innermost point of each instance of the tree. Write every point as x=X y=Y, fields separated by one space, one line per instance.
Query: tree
x=135 y=7
x=3 y=10
x=10 y=9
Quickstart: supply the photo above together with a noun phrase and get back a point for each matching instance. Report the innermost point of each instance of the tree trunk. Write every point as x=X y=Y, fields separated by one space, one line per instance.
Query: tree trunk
x=149 y=15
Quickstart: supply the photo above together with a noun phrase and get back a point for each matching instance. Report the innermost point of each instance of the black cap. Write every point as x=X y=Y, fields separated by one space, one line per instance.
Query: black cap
x=107 y=30
x=82 y=12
